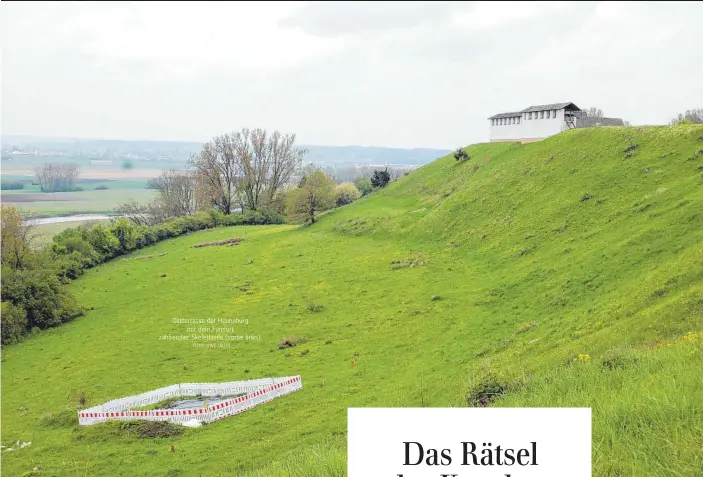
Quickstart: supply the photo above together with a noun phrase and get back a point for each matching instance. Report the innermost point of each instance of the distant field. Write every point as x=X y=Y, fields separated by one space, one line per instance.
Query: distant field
x=46 y=231
x=67 y=203
x=85 y=184
x=24 y=166
x=121 y=184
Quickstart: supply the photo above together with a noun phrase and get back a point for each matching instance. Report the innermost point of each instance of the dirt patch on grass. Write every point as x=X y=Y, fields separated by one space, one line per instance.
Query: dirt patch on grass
x=411 y=262
x=140 y=257
x=291 y=342
x=226 y=242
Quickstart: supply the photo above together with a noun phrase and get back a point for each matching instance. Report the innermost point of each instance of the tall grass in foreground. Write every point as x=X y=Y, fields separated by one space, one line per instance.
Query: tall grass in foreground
x=647 y=406
x=647 y=409
x=327 y=459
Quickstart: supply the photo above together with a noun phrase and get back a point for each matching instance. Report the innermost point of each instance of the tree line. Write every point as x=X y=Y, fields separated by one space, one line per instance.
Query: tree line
x=248 y=170
x=57 y=177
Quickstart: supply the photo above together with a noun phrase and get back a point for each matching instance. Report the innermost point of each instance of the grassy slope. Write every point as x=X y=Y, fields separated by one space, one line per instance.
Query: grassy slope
x=530 y=277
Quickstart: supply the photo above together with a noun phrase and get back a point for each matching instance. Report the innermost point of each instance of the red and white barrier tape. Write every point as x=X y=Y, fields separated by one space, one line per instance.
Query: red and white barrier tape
x=227 y=408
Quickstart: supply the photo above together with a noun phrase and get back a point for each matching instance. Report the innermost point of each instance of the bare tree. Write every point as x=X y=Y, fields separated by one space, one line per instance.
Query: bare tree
x=248 y=168
x=593 y=112
x=216 y=166
x=176 y=191
x=135 y=212
x=17 y=233
x=694 y=115
x=285 y=160
x=55 y=177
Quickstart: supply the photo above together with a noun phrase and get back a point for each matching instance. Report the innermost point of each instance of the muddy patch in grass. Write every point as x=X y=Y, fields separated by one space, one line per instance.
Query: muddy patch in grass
x=411 y=262
x=291 y=341
x=218 y=243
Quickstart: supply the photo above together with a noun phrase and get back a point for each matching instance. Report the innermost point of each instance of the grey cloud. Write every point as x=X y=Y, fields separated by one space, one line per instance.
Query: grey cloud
x=334 y=19
x=400 y=83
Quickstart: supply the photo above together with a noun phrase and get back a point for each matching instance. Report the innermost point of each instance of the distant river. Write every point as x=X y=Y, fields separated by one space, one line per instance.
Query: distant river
x=70 y=218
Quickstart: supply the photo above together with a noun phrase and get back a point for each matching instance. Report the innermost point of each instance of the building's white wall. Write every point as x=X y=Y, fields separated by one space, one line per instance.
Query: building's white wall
x=529 y=128
x=508 y=131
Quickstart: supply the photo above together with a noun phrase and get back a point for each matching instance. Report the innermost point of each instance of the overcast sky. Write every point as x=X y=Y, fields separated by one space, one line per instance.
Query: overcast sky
x=415 y=74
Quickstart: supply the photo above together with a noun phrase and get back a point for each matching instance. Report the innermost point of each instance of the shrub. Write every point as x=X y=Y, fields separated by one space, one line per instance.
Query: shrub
x=71 y=265
x=101 y=187
x=364 y=186
x=461 y=155
x=63 y=419
x=11 y=185
x=311 y=306
x=39 y=293
x=126 y=234
x=102 y=240
x=380 y=178
x=484 y=391
x=14 y=322
x=346 y=194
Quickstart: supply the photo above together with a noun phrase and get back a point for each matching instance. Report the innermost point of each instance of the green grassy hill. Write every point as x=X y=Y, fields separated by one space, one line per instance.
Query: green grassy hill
x=567 y=272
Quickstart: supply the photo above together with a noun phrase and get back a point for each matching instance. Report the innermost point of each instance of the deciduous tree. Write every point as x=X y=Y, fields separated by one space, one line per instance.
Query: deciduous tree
x=249 y=166
x=54 y=177
x=694 y=115
x=315 y=194
x=17 y=234
x=176 y=191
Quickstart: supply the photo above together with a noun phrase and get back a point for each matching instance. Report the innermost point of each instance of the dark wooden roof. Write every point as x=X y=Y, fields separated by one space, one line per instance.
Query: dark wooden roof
x=545 y=107
x=592 y=122
x=516 y=114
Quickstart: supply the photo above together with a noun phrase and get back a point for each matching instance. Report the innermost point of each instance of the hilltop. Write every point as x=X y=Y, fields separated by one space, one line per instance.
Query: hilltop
x=567 y=272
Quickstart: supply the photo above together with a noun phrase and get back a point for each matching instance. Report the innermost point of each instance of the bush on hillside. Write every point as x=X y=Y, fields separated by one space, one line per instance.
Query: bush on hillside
x=125 y=233
x=380 y=178
x=103 y=241
x=14 y=322
x=40 y=294
x=101 y=187
x=83 y=247
x=461 y=155
x=364 y=185
x=346 y=194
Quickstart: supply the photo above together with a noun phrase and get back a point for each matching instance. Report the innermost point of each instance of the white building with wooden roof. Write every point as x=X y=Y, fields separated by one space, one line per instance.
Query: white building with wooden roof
x=539 y=122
